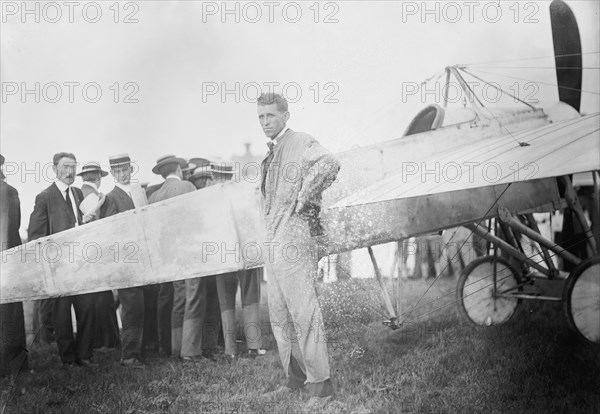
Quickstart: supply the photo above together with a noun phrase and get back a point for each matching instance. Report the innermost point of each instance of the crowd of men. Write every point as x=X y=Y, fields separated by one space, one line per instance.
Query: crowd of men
x=185 y=318
x=181 y=318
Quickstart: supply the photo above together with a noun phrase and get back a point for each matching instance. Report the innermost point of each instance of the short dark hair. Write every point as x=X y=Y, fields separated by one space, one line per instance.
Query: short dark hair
x=168 y=169
x=268 y=98
x=90 y=175
x=57 y=157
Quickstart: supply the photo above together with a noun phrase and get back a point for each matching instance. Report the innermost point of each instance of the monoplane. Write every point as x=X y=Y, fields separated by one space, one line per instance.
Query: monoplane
x=495 y=164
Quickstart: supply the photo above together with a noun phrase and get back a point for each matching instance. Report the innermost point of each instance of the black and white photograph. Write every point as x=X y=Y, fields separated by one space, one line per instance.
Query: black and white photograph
x=328 y=207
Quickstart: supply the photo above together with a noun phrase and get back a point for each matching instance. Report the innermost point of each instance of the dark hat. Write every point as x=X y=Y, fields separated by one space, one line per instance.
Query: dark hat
x=168 y=159
x=1 y=159
x=93 y=166
x=117 y=160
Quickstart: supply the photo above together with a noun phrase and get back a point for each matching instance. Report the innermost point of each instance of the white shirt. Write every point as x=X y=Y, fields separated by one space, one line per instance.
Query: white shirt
x=275 y=140
x=63 y=190
x=173 y=176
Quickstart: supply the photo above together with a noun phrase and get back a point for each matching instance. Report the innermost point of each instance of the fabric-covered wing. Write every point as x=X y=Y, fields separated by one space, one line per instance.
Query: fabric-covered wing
x=554 y=150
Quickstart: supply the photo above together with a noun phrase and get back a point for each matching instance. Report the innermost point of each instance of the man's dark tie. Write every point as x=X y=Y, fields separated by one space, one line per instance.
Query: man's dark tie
x=70 y=206
x=266 y=166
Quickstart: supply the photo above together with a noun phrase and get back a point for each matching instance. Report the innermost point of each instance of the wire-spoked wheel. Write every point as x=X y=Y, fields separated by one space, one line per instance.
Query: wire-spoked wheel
x=477 y=301
x=581 y=300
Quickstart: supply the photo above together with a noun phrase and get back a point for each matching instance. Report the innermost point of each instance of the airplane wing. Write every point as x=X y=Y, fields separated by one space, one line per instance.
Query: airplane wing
x=216 y=230
x=219 y=229
x=554 y=150
x=466 y=184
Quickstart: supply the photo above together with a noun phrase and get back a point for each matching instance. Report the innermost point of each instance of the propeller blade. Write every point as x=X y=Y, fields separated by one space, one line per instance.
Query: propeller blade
x=567 y=53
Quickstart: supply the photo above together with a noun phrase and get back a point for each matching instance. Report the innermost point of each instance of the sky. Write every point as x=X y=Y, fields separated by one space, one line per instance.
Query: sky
x=151 y=78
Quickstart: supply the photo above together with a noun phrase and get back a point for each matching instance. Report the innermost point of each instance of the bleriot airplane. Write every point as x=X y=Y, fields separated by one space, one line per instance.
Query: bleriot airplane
x=495 y=164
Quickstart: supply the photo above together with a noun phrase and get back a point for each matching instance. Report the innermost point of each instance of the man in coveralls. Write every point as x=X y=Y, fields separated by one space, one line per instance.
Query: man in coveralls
x=295 y=172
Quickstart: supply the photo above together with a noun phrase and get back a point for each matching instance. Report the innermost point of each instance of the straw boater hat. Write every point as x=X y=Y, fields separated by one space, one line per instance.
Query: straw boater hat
x=118 y=160
x=93 y=166
x=168 y=159
x=203 y=168
x=225 y=168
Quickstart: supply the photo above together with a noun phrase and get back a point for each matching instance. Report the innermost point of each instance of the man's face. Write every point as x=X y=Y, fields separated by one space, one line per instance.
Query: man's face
x=200 y=182
x=65 y=170
x=271 y=120
x=122 y=173
x=210 y=181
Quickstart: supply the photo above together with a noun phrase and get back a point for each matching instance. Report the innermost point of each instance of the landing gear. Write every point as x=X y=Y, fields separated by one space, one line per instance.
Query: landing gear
x=581 y=300
x=484 y=289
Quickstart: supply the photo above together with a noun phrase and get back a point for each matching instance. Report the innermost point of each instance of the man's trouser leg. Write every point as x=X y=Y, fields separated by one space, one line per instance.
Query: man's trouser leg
x=177 y=316
x=164 y=310
x=107 y=330
x=279 y=318
x=226 y=289
x=85 y=312
x=13 y=351
x=250 y=294
x=132 y=319
x=150 y=335
x=193 y=318
x=44 y=314
x=212 y=318
x=291 y=289
x=63 y=328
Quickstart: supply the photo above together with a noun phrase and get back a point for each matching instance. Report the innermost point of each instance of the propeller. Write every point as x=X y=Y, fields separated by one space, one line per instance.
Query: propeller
x=567 y=53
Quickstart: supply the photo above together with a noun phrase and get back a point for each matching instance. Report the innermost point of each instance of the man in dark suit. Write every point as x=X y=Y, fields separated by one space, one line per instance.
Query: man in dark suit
x=171 y=296
x=57 y=209
x=107 y=328
x=132 y=299
x=13 y=354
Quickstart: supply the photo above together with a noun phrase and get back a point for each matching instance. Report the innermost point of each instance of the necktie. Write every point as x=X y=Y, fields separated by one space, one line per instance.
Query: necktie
x=266 y=166
x=70 y=206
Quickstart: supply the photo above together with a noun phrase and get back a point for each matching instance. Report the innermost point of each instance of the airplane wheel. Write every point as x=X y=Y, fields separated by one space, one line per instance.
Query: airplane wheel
x=475 y=291
x=581 y=300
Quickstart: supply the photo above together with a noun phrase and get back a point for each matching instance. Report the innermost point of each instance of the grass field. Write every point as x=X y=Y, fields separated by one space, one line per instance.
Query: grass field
x=434 y=364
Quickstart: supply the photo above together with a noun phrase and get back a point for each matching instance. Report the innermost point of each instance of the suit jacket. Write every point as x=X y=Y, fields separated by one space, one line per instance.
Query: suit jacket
x=172 y=187
x=50 y=214
x=10 y=219
x=296 y=175
x=152 y=189
x=117 y=201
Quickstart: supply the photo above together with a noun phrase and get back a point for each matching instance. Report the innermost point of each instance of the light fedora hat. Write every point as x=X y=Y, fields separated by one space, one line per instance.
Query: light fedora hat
x=168 y=159
x=93 y=166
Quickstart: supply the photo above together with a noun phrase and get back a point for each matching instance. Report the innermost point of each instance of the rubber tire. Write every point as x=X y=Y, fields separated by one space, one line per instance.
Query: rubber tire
x=511 y=305
x=571 y=284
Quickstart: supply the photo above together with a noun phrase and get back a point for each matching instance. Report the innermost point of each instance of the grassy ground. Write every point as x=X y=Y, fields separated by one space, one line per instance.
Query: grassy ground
x=434 y=364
